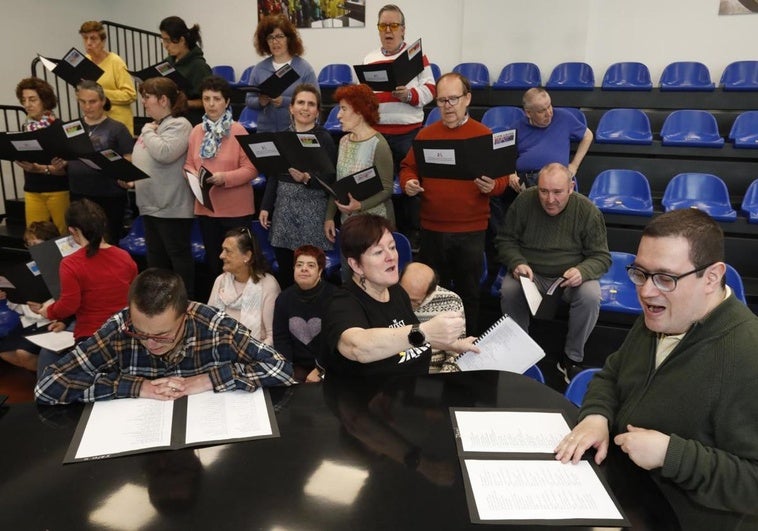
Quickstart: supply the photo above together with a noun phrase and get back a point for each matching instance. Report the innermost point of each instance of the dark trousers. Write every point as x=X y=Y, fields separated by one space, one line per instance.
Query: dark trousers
x=286 y=260
x=407 y=209
x=458 y=259
x=114 y=208
x=169 y=246
x=213 y=231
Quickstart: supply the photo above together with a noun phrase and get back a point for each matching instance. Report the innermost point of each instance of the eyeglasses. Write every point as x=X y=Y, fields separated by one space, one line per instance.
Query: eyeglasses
x=144 y=338
x=277 y=37
x=384 y=26
x=662 y=281
x=246 y=232
x=452 y=100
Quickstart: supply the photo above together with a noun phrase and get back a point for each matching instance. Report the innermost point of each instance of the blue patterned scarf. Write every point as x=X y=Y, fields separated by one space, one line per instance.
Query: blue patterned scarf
x=214 y=134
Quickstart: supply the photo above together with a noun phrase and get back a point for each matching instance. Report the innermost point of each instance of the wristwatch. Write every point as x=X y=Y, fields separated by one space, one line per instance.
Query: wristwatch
x=416 y=337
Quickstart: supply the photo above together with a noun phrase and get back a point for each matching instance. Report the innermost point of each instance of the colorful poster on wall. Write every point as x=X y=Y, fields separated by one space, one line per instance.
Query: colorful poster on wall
x=317 y=13
x=738 y=7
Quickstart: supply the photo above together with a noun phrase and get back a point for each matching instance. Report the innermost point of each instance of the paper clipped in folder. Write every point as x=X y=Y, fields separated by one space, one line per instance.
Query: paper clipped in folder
x=73 y=67
x=387 y=76
x=361 y=185
x=542 y=306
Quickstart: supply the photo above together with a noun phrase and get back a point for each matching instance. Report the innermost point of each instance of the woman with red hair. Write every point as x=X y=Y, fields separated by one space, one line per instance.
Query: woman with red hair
x=361 y=148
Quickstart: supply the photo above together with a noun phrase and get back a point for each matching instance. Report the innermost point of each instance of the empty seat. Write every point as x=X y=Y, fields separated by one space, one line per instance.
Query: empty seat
x=435 y=71
x=622 y=192
x=335 y=75
x=627 y=76
x=245 y=77
x=498 y=282
x=333 y=263
x=750 y=202
x=261 y=234
x=477 y=73
x=617 y=291
x=332 y=124
x=134 y=241
x=404 y=251
x=578 y=386
x=686 y=75
x=249 y=119
x=740 y=75
x=578 y=114
x=691 y=128
x=502 y=118
x=518 y=76
x=535 y=373
x=734 y=281
x=225 y=71
x=434 y=116
x=571 y=76
x=259 y=183
x=744 y=132
x=703 y=191
x=196 y=242
x=624 y=126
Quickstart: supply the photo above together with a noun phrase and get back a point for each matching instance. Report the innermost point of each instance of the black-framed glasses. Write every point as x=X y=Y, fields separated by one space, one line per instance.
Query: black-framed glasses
x=662 y=281
x=277 y=37
x=384 y=26
x=144 y=338
x=452 y=100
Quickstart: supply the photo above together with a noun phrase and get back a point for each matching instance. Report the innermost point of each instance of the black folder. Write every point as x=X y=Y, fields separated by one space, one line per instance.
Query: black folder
x=27 y=281
x=73 y=67
x=361 y=185
x=276 y=153
x=113 y=165
x=48 y=257
x=492 y=155
x=201 y=187
x=387 y=76
x=276 y=82
x=162 y=69
x=67 y=140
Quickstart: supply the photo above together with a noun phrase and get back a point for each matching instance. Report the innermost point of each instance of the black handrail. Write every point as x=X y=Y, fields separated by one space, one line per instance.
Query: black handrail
x=11 y=176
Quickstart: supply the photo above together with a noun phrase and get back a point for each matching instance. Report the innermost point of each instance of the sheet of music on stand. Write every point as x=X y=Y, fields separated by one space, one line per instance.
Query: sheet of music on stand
x=503 y=347
x=511 y=475
x=112 y=428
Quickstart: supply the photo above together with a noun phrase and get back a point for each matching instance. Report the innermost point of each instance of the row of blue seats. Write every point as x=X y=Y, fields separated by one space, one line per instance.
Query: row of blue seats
x=677 y=76
x=622 y=191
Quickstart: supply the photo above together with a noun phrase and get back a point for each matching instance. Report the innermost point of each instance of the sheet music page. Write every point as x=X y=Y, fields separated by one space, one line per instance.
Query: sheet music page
x=511 y=431
x=126 y=424
x=532 y=294
x=55 y=341
x=506 y=347
x=538 y=490
x=229 y=415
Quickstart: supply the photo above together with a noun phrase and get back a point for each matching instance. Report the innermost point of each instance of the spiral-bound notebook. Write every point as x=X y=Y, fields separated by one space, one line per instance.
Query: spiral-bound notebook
x=503 y=347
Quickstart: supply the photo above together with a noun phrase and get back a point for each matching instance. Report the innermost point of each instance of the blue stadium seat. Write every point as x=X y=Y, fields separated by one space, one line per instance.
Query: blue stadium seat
x=744 y=132
x=245 y=77
x=477 y=73
x=436 y=73
x=335 y=75
x=691 y=128
x=686 y=76
x=627 y=76
x=196 y=239
x=332 y=124
x=740 y=75
x=502 y=118
x=617 y=292
x=261 y=234
x=519 y=76
x=750 y=202
x=404 y=252
x=249 y=119
x=578 y=387
x=535 y=373
x=734 y=281
x=622 y=192
x=703 y=191
x=434 y=116
x=571 y=76
x=578 y=114
x=259 y=183
x=333 y=264
x=498 y=282
x=624 y=126
x=225 y=71
x=134 y=241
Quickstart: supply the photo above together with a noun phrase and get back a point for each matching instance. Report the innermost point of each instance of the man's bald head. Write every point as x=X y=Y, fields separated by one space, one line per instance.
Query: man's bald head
x=419 y=281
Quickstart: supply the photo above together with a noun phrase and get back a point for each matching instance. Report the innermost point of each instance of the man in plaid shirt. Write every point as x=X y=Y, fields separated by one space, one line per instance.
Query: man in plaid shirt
x=163 y=347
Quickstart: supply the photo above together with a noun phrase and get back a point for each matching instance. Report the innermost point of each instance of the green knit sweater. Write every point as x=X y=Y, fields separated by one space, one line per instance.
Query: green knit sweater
x=552 y=244
x=705 y=396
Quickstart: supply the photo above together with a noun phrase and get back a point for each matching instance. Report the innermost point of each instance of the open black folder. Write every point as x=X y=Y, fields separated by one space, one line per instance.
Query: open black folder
x=542 y=306
x=276 y=153
x=201 y=186
x=492 y=155
x=276 y=83
x=73 y=67
x=67 y=140
x=113 y=165
x=162 y=69
x=361 y=185
x=387 y=76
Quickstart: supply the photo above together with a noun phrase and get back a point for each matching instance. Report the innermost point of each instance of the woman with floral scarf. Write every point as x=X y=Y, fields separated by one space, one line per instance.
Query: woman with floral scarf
x=214 y=151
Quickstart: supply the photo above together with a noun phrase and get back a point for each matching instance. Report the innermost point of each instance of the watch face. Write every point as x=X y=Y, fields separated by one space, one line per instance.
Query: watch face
x=416 y=337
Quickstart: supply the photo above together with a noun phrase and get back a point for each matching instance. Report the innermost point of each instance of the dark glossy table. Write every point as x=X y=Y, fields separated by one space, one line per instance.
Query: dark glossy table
x=374 y=455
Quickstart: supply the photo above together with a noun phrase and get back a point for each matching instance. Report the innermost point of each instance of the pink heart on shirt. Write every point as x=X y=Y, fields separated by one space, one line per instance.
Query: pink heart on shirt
x=304 y=330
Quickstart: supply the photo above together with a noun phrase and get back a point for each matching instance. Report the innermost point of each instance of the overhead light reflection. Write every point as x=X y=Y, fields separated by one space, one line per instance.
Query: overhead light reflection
x=126 y=509
x=336 y=483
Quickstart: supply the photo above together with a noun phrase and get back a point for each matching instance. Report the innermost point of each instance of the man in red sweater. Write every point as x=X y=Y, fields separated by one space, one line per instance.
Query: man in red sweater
x=454 y=212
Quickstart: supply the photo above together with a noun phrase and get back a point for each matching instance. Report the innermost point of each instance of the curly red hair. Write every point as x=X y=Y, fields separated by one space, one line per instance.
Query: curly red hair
x=362 y=99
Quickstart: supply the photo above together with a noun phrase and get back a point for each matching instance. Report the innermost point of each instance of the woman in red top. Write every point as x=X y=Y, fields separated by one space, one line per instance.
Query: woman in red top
x=94 y=279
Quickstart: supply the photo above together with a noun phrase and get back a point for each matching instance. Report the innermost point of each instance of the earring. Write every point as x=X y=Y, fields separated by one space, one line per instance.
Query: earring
x=362 y=282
